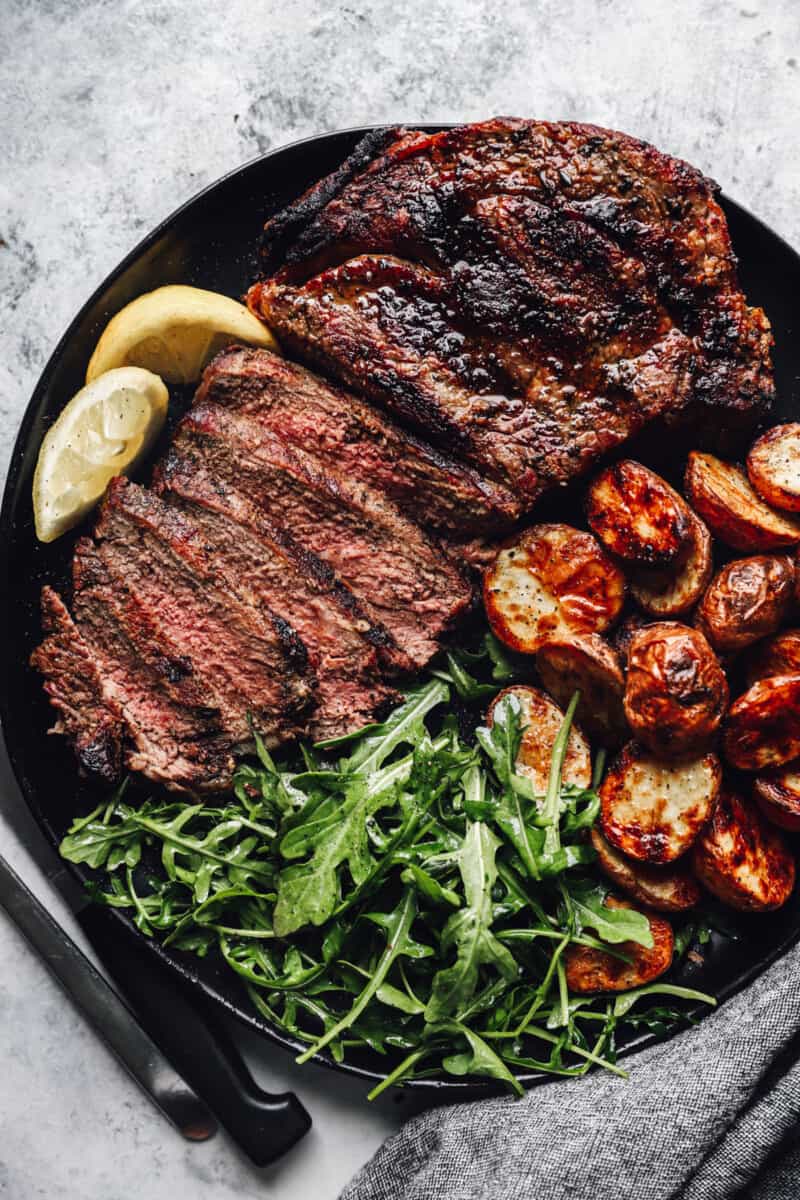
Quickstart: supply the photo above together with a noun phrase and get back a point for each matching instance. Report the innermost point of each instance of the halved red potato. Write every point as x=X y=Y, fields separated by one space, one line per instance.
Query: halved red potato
x=722 y=496
x=673 y=592
x=653 y=811
x=747 y=599
x=773 y=466
x=667 y=889
x=778 y=796
x=586 y=664
x=777 y=655
x=636 y=514
x=676 y=693
x=742 y=860
x=542 y=720
x=763 y=726
x=589 y=970
x=552 y=582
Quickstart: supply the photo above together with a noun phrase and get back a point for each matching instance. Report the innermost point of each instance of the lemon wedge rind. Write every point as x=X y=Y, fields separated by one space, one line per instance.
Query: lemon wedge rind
x=175 y=331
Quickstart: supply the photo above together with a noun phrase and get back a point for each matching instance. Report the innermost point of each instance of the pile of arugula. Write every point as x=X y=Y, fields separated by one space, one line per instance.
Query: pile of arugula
x=401 y=889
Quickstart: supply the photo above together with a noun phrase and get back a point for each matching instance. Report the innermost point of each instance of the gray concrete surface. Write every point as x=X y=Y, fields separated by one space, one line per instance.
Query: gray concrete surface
x=114 y=112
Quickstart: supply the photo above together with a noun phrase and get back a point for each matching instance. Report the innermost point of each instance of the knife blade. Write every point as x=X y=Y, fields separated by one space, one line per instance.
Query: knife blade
x=105 y=1010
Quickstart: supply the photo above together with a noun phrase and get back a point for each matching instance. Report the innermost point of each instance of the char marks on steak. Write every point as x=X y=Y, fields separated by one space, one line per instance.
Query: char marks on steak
x=268 y=572
x=527 y=294
x=74 y=681
x=368 y=448
x=405 y=584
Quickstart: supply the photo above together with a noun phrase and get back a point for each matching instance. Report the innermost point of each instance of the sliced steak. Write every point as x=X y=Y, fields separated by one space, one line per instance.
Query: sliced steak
x=403 y=581
x=74 y=681
x=247 y=667
x=249 y=563
x=338 y=427
x=174 y=735
x=589 y=246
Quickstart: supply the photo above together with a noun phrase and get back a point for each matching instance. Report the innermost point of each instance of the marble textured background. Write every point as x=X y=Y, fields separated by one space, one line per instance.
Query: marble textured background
x=114 y=112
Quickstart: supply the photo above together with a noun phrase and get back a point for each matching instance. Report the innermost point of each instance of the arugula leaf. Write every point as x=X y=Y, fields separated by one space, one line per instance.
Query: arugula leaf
x=397 y=926
x=404 y=726
x=468 y=930
x=479 y=1059
x=614 y=925
x=309 y=893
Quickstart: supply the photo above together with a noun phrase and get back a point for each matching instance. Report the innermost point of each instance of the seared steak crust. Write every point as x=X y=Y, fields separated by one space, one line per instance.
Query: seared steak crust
x=527 y=294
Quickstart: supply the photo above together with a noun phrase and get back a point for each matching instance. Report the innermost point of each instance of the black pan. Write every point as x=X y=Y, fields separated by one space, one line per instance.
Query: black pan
x=210 y=242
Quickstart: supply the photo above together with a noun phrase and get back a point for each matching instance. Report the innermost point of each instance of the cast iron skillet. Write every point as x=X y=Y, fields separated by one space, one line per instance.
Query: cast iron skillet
x=209 y=243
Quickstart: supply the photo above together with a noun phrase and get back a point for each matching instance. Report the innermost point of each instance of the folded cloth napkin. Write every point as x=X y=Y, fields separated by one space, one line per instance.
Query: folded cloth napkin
x=710 y=1115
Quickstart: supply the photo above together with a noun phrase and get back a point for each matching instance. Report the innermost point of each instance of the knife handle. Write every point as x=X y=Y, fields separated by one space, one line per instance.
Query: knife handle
x=195 y=1041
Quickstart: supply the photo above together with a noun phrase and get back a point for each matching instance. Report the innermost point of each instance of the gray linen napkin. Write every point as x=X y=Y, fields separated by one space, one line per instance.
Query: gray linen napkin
x=703 y=1117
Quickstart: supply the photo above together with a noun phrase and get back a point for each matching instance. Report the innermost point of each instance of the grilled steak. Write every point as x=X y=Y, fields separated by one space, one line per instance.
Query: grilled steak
x=340 y=428
x=74 y=682
x=262 y=570
x=401 y=579
x=528 y=295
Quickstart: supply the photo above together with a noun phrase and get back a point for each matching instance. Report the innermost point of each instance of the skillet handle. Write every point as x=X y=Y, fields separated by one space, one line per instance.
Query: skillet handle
x=189 y=1033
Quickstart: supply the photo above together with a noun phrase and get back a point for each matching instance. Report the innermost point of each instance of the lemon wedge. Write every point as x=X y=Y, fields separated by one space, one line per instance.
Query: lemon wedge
x=175 y=331
x=106 y=428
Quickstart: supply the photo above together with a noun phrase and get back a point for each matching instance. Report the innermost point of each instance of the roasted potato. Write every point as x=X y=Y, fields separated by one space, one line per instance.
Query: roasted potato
x=653 y=811
x=722 y=496
x=624 y=634
x=773 y=466
x=778 y=796
x=589 y=665
x=676 y=693
x=674 y=592
x=762 y=730
x=542 y=720
x=590 y=970
x=742 y=860
x=777 y=655
x=551 y=582
x=747 y=600
x=667 y=889
x=636 y=514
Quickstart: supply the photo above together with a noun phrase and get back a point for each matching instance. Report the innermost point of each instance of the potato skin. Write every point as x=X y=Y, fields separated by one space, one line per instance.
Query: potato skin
x=762 y=729
x=543 y=719
x=742 y=860
x=674 y=592
x=589 y=665
x=721 y=495
x=777 y=655
x=773 y=466
x=676 y=693
x=666 y=889
x=625 y=632
x=551 y=581
x=748 y=599
x=636 y=514
x=652 y=811
x=777 y=794
x=589 y=970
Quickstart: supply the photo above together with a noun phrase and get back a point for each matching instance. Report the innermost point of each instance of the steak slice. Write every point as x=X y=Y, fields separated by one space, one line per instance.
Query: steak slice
x=247 y=666
x=404 y=582
x=238 y=552
x=517 y=408
x=87 y=715
x=590 y=245
x=339 y=427
x=173 y=735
